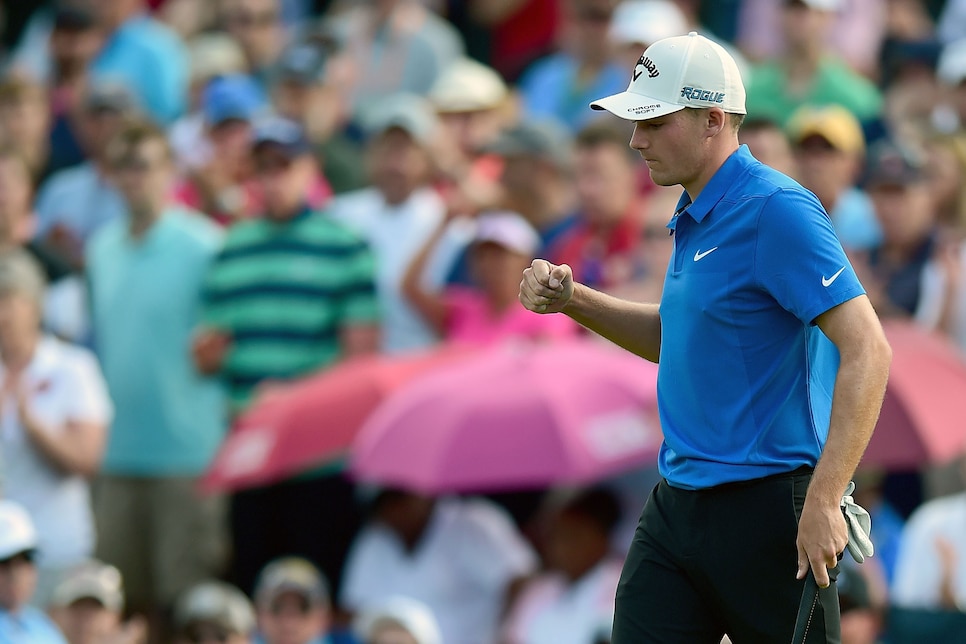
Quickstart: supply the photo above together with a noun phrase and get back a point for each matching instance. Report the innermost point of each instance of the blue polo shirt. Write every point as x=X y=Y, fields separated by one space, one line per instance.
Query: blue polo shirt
x=745 y=378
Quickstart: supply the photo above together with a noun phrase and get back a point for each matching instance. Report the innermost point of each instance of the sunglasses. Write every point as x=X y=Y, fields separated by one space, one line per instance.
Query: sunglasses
x=17 y=559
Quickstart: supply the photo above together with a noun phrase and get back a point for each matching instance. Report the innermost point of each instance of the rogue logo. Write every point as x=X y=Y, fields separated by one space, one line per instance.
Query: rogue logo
x=698 y=94
x=647 y=64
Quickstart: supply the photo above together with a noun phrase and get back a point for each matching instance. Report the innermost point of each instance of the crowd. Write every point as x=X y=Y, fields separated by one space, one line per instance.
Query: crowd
x=200 y=201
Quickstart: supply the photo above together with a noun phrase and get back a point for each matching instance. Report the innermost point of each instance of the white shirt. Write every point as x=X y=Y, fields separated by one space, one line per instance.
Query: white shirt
x=550 y=610
x=918 y=566
x=396 y=234
x=461 y=568
x=64 y=384
x=934 y=298
x=79 y=199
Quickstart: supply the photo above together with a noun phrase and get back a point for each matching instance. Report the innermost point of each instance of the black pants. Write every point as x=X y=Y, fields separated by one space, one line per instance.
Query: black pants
x=719 y=561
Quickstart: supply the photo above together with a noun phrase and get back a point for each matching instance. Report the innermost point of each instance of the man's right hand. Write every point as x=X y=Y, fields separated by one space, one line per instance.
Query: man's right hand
x=546 y=288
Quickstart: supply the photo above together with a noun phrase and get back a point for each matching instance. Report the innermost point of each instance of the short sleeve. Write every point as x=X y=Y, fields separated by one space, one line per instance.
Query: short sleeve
x=363 y=570
x=89 y=401
x=496 y=553
x=359 y=303
x=798 y=258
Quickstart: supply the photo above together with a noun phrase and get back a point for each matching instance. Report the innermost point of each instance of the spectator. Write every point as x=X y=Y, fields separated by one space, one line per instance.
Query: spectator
x=830 y=152
x=25 y=122
x=400 y=620
x=458 y=556
x=74 y=42
x=862 y=618
x=88 y=606
x=562 y=85
x=146 y=272
x=76 y=202
x=54 y=440
x=573 y=601
x=291 y=293
x=292 y=604
x=952 y=21
x=146 y=56
x=212 y=611
x=257 y=26
x=303 y=92
x=905 y=210
x=806 y=73
x=221 y=187
x=398 y=213
x=397 y=46
x=768 y=143
x=603 y=246
x=951 y=73
x=537 y=179
x=637 y=24
x=19 y=621
x=504 y=245
x=211 y=55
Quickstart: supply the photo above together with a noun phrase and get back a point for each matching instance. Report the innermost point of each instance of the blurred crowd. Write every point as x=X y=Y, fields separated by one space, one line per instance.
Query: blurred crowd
x=202 y=200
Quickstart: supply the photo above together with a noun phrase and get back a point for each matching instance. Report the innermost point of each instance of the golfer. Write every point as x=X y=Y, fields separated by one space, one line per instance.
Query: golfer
x=773 y=366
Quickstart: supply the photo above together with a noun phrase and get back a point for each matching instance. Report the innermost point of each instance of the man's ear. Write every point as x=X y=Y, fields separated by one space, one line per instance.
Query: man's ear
x=716 y=121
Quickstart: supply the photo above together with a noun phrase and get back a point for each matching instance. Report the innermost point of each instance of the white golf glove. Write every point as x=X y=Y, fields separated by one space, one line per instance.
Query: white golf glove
x=860 y=526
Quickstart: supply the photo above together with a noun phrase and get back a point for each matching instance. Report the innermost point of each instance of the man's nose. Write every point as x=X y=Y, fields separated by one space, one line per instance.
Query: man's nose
x=638 y=140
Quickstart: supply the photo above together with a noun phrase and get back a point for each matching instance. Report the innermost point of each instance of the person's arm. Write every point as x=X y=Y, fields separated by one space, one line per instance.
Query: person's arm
x=76 y=449
x=431 y=305
x=492 y=12
x=635 y=326
x=864 y=358
x=359 y=339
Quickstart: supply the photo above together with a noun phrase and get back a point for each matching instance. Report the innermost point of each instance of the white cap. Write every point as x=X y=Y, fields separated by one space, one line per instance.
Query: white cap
x=412 y=616
x=951 y=69
x=675 y=73
x=509 y=230
x=466 y=85
x=646 y=21
x=91 y=580
x=823 y=5
x=17 y=533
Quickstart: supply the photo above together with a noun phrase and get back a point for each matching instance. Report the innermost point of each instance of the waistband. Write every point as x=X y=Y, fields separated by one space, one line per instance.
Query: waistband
x=804 y=470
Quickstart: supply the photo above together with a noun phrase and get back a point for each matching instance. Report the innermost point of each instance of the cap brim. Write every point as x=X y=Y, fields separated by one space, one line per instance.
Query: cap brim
x=635 y=107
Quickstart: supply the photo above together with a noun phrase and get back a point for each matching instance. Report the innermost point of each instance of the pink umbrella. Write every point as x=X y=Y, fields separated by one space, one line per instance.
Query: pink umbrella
x=923 y=417
x=518 y=417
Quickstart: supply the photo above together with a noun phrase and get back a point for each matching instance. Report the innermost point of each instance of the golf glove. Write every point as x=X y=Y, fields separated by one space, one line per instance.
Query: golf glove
x=860 y=526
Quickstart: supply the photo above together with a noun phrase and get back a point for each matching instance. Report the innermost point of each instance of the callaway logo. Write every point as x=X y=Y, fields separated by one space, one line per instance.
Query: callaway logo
x=827 y=281
x=647 y=64
x=699 y=255
x=698 y=94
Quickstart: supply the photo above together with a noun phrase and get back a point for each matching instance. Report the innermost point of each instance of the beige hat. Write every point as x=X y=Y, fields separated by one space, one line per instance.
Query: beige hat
x=91 y=580
x=20 y=273
x=291 y=574
x=466 y=85
x=645 y=22
x=214 y=54
x=412 y=616
x=217 y=603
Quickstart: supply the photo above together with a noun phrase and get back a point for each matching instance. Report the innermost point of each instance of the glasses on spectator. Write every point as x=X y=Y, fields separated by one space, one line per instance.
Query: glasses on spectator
x=18 y=559
x=301 y=606
x=201 y=633
x=254 y=19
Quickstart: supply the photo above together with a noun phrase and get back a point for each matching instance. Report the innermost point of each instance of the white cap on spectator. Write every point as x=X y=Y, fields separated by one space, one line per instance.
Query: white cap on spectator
x=407 y=112
x=509 y=230
x=218 y=603
x=214 y=54
x=645 y=22
x=821 y=5
x=91 y=580
x=675 y=73
x=466 y=85
x=17 y=533
x=951 y=69
x=412 y=616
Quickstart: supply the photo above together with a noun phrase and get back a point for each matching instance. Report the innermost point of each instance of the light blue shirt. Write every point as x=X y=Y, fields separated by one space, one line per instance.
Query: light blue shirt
x=745 y=378
x=146 y=304
x=28 y=626
x=854 y=219
x=550 y=89
x=151 y=60
x=79 y=199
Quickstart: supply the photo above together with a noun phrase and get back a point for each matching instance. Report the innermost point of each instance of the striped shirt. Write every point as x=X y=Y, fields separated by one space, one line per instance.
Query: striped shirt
x=284 y=291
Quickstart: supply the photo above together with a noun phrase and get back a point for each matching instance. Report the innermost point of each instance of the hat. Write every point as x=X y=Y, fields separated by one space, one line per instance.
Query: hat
x=283 y=134
x=412 y=114
x=302 y=63
x=73 y=17
x=818 y=5
x=508 y=230
x=951 y=69
x=17 y=533
x=413 y=616
x=892 y=164
x=646 y=21
x=675 y=73
x=291 y=574
x=231 y=97
x=109 y=95
x=217 y=603
x=833 y=123
x=466 y=85
x=91 y=580
x=546 y=139
x=215 y=54
x=21 y=273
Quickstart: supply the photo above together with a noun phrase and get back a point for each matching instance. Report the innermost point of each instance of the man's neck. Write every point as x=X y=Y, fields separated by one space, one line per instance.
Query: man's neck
x=715 y=161
x=142 y=221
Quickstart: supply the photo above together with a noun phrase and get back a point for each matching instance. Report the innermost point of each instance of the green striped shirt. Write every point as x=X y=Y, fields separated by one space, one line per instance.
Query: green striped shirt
x=284 y=291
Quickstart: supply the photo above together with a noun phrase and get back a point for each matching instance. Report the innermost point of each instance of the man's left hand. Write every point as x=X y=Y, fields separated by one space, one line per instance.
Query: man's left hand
x=822 y=536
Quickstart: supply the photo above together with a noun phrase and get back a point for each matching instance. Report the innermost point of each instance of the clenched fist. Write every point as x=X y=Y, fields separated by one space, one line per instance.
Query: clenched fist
x=546 y=288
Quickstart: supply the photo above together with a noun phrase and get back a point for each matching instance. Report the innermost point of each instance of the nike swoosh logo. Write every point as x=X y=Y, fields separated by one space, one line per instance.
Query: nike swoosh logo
x=699 y=255
x=827 y=281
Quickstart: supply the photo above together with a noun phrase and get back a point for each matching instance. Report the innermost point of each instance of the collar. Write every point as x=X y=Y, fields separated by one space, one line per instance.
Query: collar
x=715 y=189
